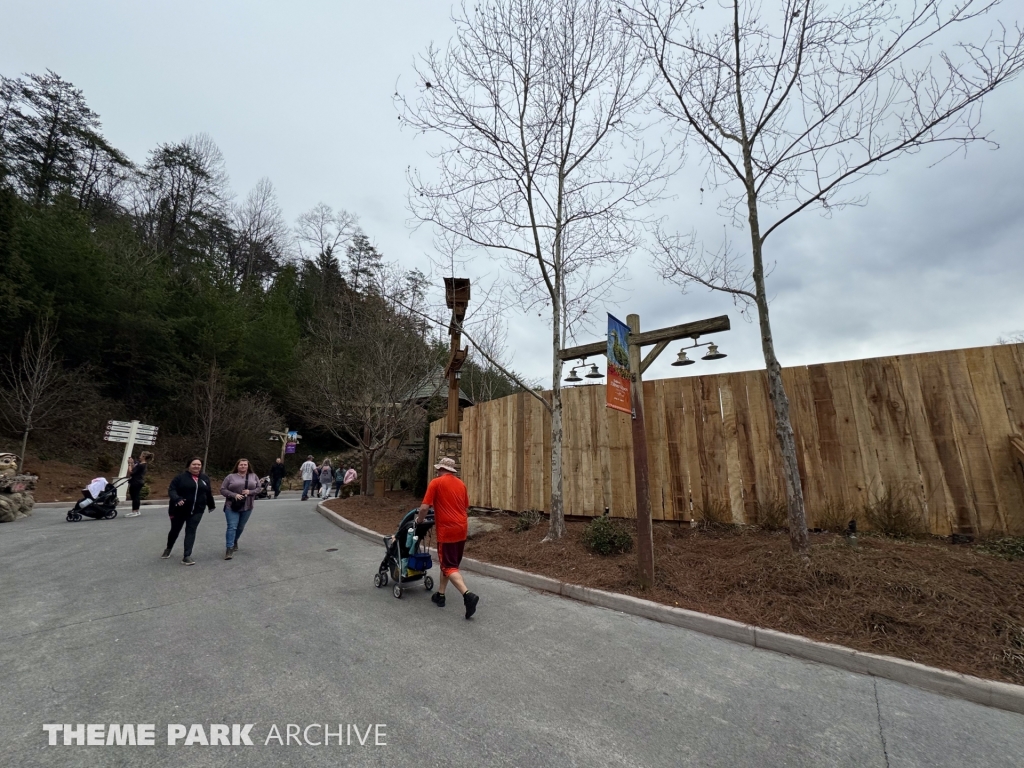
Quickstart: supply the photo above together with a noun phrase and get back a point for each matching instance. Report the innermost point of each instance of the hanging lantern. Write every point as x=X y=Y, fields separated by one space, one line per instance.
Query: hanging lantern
x=682 y=359
x=713 y=353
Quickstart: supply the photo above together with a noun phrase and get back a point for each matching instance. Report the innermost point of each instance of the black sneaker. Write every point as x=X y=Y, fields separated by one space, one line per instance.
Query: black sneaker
x=166 y=554
x=470 y=600
x=190 y=561
x=437 y=599
x=228 y=554
x=234 y=548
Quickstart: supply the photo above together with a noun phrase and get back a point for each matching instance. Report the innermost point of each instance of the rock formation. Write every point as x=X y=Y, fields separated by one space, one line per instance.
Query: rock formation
x=16 y=499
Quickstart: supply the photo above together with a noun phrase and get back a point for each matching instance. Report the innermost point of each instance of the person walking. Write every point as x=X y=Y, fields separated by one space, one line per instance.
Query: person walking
x=190 y=496
x=137 y=479
x=339 y=480
x=308 y=469
x=277 y=473
x=351 y=476
x=239 y=490
x=326 y=479
x=447 y=495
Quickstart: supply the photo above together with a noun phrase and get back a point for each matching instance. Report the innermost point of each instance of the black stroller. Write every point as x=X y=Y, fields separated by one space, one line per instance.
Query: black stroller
x=102 y=507
x=265 y=488
x=406 y=558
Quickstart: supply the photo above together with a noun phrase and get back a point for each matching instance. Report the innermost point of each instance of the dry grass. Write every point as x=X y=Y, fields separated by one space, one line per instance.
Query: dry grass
x=773 y=514
x=955 y=607
x=896 y=512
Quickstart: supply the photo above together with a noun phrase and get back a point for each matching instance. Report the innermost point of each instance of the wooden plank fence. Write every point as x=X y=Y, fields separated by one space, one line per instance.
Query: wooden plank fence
x=937 y=425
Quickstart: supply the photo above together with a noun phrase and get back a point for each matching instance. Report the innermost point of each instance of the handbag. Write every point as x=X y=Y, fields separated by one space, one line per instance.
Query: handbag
x=238 y=505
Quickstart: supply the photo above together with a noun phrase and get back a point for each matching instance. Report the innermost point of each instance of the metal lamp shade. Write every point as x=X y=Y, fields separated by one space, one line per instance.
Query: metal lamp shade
x=682 y=359
x=713 y=353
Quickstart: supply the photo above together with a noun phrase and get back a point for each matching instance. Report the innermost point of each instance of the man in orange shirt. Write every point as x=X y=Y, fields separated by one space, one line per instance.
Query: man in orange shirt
x=447 y=495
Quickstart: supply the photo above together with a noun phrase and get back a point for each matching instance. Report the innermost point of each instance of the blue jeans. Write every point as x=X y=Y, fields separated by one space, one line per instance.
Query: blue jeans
x=305 y=489
x=236 y=524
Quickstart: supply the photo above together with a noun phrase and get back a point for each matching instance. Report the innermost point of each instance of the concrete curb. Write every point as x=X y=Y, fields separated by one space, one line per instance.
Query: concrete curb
x=975 y=689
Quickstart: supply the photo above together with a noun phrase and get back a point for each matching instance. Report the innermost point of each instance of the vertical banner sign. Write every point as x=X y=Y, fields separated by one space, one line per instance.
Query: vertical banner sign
x=290 y=441
x=618 y=366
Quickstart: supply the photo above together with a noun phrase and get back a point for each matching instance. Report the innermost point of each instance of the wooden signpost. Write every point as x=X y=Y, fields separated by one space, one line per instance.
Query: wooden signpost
x=660 y=338
x=129 y=433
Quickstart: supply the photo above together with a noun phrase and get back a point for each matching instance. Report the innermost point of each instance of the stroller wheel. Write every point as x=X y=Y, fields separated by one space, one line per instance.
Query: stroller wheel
x=76 y=517
x=71 y=516
x=383 y=578
x=377 y=581
x=110 y=515
x=397 y=592
x=428 y=582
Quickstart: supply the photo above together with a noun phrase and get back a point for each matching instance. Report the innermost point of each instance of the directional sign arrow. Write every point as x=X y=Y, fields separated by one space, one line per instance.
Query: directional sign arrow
x=124 y=424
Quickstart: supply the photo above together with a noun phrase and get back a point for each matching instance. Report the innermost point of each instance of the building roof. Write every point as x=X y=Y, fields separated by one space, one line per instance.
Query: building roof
x=437 y=386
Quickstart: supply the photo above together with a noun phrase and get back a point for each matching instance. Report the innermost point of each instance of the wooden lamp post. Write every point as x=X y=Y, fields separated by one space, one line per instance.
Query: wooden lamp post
x=660 y=338
x=456 y=292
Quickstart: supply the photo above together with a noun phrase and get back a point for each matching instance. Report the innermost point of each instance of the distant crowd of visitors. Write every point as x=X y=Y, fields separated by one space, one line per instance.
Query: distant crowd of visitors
x=319 y=480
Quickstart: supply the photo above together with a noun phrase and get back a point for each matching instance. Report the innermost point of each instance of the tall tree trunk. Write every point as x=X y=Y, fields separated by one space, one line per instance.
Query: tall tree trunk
x=556 y=526
x=777 y=394
x=371 y=476
x=24 y=443
x=365 y=488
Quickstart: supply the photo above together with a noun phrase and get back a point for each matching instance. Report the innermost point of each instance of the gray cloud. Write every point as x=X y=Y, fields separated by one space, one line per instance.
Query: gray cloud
x=302 y=93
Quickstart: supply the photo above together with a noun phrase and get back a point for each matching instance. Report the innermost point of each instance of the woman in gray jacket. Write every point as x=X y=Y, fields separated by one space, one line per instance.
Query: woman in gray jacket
x=326 y=479
x=239 y=490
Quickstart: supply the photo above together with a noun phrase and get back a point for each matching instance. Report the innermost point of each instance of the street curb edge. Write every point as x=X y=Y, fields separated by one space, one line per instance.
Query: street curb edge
x=990 y=693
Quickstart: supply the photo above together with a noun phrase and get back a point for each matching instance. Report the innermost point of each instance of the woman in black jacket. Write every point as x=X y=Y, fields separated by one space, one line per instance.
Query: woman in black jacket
x=137 y=479
x=191 y=496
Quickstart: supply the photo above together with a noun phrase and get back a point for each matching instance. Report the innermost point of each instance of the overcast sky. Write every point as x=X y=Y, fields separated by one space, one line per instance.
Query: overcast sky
x=300 y=92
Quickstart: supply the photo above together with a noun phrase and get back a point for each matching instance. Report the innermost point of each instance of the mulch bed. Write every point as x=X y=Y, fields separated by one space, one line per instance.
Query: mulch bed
x=928 y=601
x=60 y=481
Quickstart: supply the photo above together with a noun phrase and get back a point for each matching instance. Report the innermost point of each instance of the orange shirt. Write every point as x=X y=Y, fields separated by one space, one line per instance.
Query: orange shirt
x=447 y=495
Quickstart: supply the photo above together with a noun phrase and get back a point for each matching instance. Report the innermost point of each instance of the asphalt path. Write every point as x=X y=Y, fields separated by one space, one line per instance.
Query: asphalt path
x=96 y=629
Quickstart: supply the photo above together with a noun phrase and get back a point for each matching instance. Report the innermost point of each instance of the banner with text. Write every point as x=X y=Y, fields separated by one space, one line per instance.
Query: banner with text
x=618 y=393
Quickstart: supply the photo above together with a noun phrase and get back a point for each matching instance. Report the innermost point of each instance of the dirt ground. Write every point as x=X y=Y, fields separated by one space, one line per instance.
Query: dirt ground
x=59 y=481
x=948 y=606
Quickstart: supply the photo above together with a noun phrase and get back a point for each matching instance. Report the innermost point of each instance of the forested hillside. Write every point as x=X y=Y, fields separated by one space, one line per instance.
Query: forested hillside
x=147 y=288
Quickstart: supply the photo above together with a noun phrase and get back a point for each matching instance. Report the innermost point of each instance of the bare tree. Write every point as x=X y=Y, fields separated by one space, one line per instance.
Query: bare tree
x=1014 y=337
x=322 y=231
x=362 y=380
x=35 y=390
x=180 y=201
x=246 y=423
x=209 y=403
x=792 y=102
x=539 y=164
x=262 y=238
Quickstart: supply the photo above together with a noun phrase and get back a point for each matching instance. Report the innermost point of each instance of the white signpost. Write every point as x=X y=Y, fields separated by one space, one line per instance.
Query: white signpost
x=129 y=433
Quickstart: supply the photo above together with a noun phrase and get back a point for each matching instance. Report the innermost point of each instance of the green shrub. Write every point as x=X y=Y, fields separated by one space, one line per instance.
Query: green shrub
x=1010 y=547
x=526 y=520
x=772 y=514
x=896 y=513
x=144 y=491
x=604 y=536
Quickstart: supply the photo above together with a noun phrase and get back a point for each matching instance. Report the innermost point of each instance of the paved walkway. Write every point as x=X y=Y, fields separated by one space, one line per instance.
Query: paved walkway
x=95 y=628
